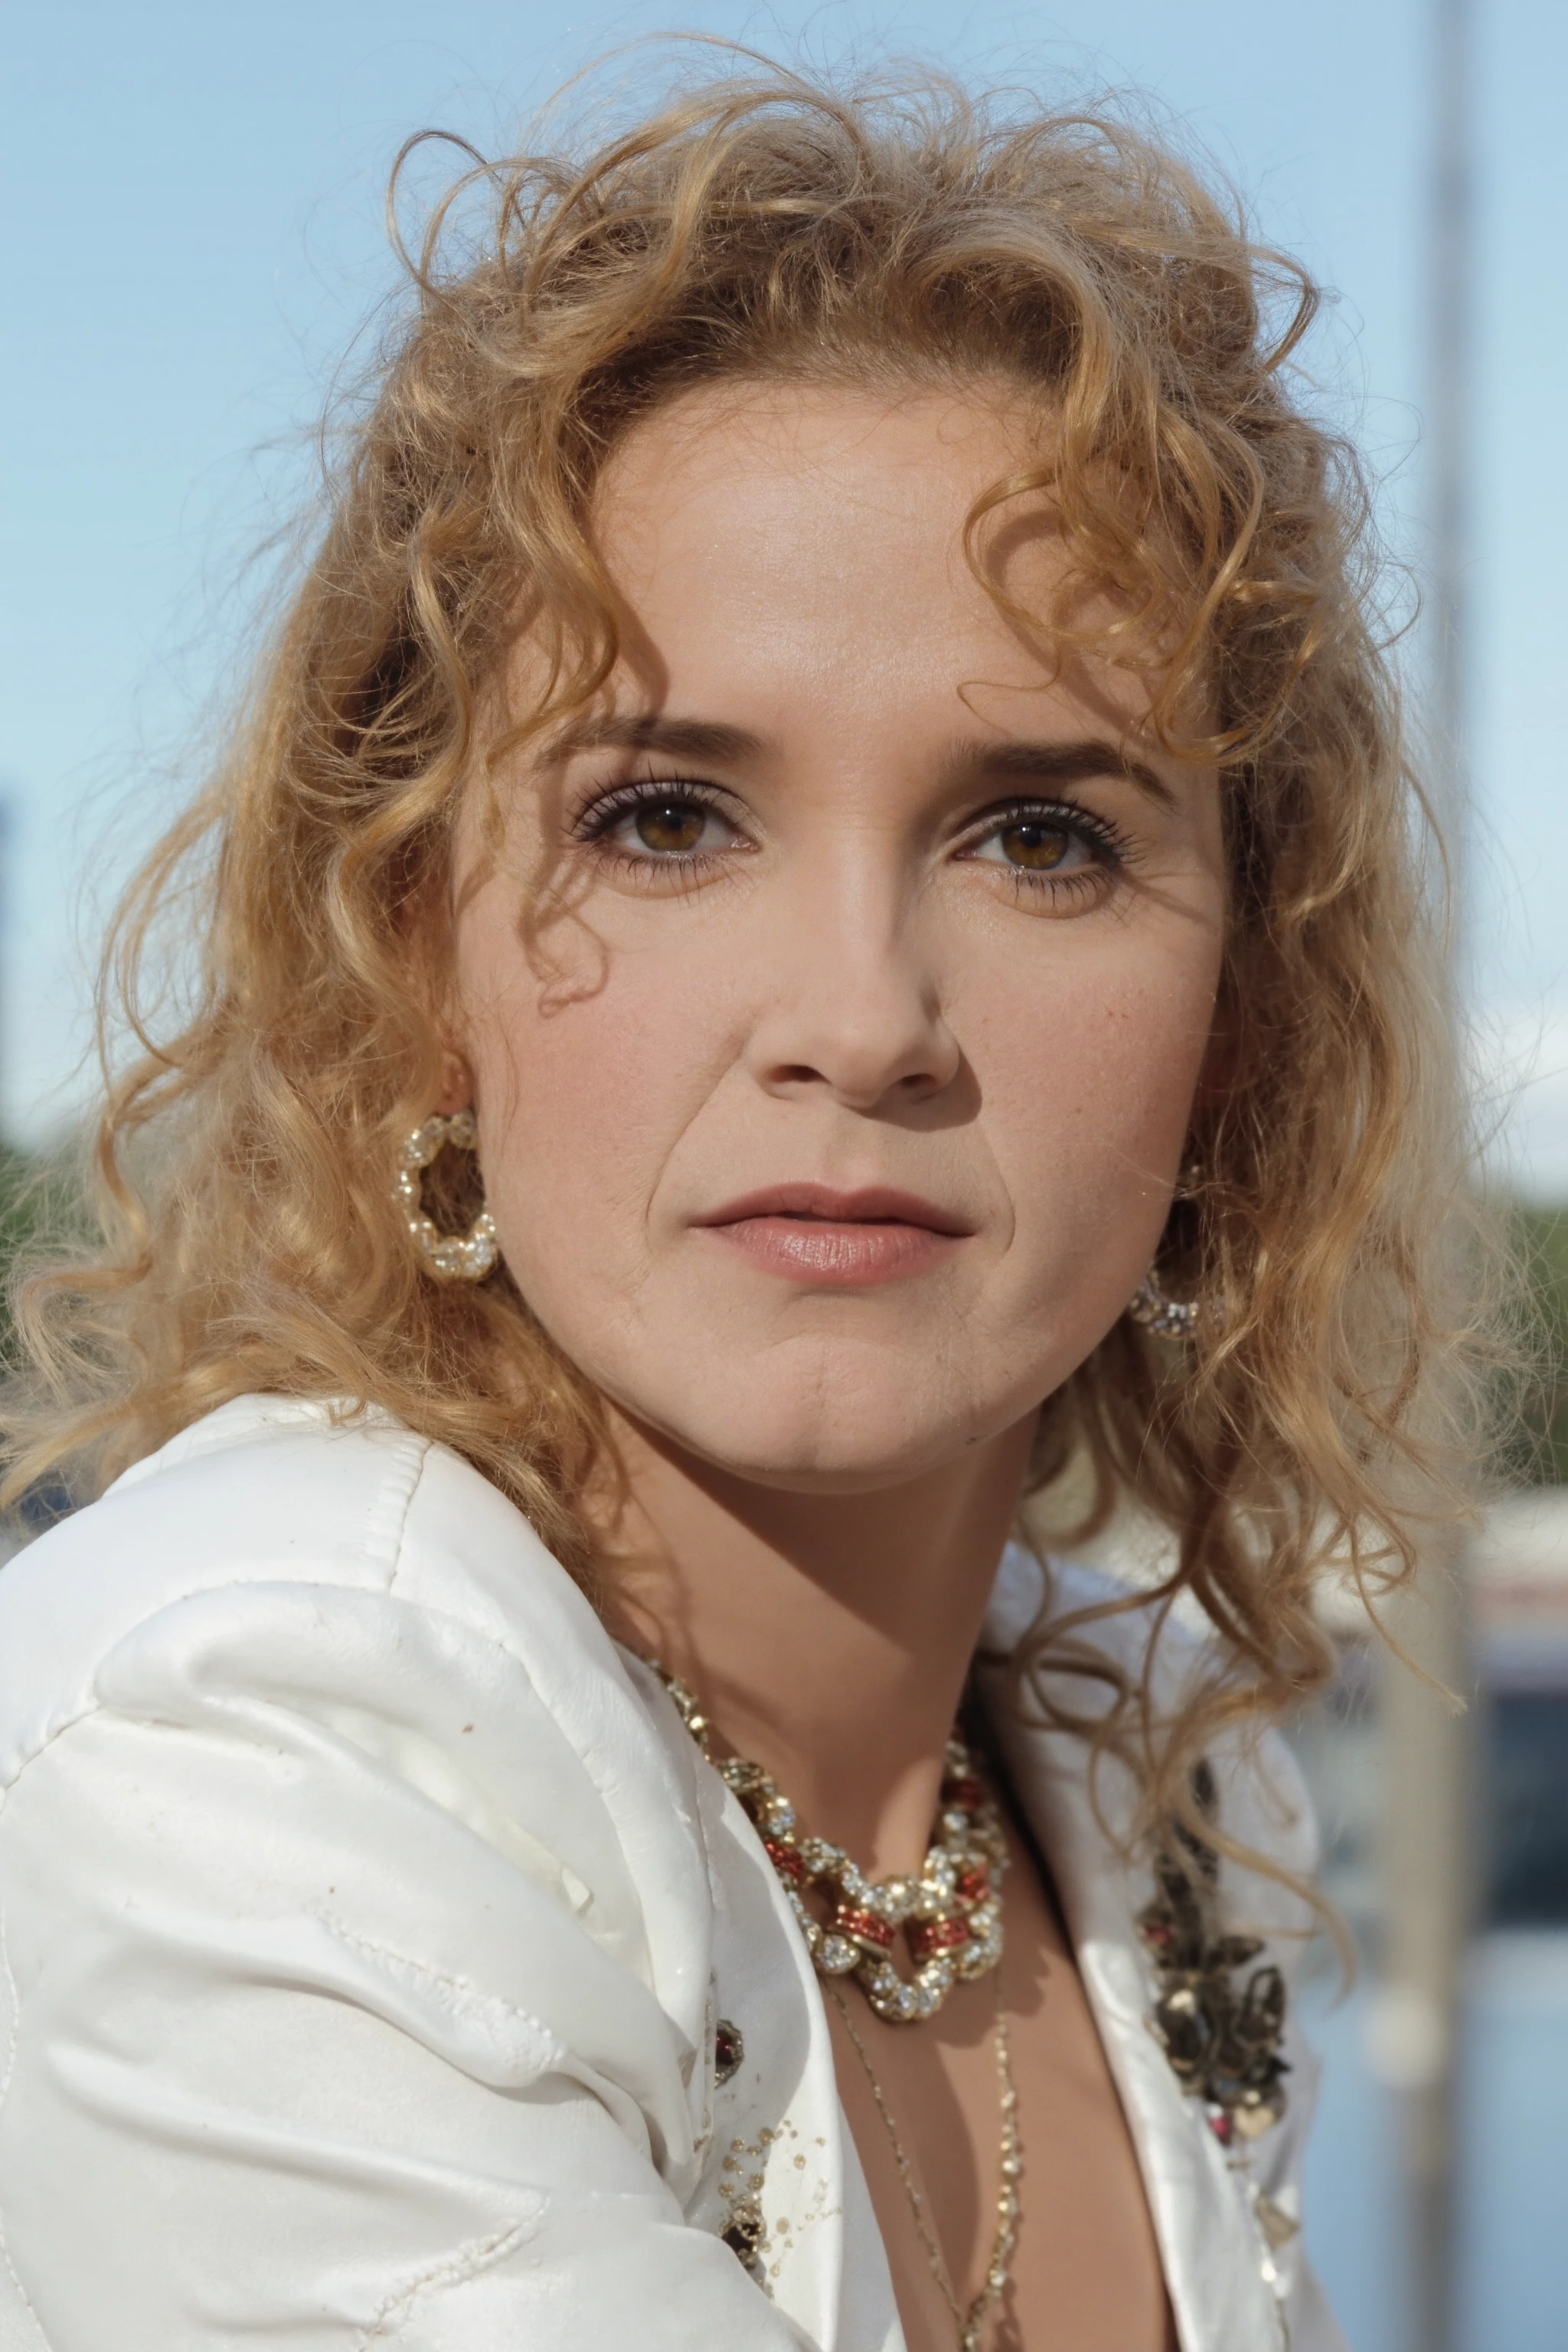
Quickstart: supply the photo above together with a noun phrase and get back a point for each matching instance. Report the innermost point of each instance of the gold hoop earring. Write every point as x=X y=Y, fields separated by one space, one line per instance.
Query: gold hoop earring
x=451 y=1258
x=1151 y=1304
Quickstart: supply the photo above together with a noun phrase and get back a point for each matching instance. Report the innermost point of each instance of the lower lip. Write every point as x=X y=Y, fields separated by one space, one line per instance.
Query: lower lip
x=828 y=1257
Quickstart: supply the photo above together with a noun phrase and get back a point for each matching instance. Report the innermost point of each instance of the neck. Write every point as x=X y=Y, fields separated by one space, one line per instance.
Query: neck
x=827 y=1637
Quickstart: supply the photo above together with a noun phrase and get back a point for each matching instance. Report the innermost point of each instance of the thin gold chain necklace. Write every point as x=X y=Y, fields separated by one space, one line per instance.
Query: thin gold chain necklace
x=951 y=1916
x=969 y=2324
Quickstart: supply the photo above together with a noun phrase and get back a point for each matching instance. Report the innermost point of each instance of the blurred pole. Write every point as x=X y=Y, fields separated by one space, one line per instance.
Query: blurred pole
x=1429 y=1882
x=1448 y=408
x=1431 y=1820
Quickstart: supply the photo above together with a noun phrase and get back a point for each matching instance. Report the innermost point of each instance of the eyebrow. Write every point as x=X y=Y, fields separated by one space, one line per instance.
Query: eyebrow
x=1015 y=762
x=679 y=739
x=1002 y=763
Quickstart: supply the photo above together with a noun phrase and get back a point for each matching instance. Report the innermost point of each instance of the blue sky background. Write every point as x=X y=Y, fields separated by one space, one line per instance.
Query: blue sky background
x=194 y=201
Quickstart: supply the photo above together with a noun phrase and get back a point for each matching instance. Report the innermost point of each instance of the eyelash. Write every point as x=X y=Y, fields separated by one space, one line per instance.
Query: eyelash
x=1111 y=848
x=606 y=810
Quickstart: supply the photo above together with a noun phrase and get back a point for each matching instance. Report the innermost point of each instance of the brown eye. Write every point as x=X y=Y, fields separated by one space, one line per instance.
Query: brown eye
x=672 y=828
x=1034 y=844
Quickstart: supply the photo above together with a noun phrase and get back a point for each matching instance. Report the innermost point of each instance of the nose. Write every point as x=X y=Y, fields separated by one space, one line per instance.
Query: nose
x=852 y=1007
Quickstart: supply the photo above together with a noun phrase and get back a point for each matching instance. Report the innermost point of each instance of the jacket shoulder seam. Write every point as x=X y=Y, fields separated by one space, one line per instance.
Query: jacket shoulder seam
x=399 y=1538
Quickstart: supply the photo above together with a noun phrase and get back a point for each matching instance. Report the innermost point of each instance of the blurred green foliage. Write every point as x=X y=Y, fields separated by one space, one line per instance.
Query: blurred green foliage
x=1541 y=1453
x=35 y=1190
x=22 y=1196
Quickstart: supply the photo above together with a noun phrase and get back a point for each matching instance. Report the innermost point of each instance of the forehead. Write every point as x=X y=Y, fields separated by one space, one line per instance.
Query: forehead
x=890 y=452
x=818 y=532
x=765 y=480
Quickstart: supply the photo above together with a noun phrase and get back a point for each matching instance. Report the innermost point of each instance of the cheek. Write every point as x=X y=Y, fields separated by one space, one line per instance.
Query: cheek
x=1088 y=1090
x=588 y=1070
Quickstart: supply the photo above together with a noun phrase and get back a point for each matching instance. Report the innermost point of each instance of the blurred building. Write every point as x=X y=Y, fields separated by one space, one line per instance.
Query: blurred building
x=1518 y=1588
x=1521 y=1572
x=1509 y=2273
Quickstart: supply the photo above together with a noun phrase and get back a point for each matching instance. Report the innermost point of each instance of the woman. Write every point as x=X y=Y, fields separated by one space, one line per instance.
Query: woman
x=815 y=925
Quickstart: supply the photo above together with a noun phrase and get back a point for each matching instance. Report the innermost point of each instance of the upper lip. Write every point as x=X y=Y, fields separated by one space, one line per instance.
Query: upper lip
x=868 y=1204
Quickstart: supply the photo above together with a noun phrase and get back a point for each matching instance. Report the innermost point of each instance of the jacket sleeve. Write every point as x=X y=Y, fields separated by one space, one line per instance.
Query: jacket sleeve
x=330 y=2011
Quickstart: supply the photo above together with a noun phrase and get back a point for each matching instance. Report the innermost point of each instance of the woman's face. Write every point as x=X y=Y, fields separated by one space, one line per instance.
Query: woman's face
x=834 y=996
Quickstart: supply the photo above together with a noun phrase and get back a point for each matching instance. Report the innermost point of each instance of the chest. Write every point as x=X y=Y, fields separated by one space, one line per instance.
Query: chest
x=800 y=2170
x=1128 y=2210
x=925 y=2105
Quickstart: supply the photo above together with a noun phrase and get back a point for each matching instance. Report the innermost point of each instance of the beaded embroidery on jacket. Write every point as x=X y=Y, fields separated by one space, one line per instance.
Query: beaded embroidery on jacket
x=1223 y=2040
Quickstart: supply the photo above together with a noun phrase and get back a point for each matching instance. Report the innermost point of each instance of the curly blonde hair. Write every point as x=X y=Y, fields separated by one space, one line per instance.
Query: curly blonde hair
x=771 y=224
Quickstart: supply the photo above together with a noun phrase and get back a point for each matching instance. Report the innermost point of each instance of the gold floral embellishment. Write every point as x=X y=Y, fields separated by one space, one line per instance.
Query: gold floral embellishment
x=1222 y=2038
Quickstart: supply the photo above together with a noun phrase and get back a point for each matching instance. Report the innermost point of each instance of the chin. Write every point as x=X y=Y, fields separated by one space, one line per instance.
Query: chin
x=829 y=1436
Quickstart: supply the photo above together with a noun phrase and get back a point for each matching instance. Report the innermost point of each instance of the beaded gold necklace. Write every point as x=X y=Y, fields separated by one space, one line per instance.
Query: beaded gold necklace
x=951 y=1915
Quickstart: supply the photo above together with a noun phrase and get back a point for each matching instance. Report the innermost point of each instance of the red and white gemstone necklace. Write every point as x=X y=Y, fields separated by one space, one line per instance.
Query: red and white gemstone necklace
x=949 y=1915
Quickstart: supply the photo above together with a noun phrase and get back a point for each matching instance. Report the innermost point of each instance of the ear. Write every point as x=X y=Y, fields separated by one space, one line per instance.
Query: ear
x=456 y=1084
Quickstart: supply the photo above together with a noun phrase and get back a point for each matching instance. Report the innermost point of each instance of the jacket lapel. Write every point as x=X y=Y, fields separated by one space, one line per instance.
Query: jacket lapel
x=1208 y=2238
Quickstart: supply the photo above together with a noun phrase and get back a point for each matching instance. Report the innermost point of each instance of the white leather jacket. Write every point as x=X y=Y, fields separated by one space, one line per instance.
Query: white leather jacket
x=365 y=1916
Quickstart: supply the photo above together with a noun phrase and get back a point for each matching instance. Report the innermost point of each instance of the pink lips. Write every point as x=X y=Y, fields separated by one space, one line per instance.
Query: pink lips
x=810 y=1233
